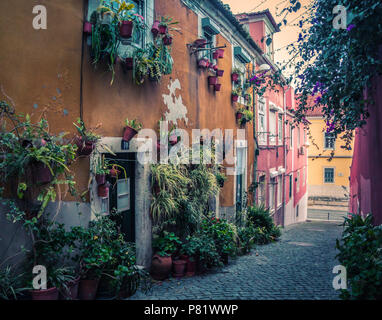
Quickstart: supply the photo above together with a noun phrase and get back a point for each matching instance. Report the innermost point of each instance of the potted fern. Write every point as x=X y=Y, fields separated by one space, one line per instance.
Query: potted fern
x=86 y=140
x=131 y=129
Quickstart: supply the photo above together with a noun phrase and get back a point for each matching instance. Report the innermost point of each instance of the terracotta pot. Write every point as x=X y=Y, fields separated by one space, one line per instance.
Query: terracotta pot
x=103 y=191
x=88 y=27
x=235 y=98
x=160 y=267
x=179 y=267
x=48 y=294
x=129 y=62
x=212 y=81
x=235 y=77
x=155 y=28
x=87 y=289
x=200 y=43
x=218 y=86
x=126 y=29
x=41 y=173
x=220 y=53
x=162 y=29
x=128 y=134
x=100 y=179
x=215 y=55
x=239 y=115
x=191 y=267
x=84 y=148
x=219 y=73
x=167 y=41
x=72 y=290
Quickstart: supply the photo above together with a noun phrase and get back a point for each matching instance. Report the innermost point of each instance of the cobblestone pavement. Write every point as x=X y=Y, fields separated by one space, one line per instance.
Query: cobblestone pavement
x=299 y=266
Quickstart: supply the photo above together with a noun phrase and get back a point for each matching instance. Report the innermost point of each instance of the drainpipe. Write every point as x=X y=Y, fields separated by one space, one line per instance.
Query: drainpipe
x=255 y=149
x=285 y=155
x=86 y=6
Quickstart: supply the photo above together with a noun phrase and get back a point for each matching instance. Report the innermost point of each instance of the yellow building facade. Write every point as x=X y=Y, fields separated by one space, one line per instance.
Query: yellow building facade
x=328 y=163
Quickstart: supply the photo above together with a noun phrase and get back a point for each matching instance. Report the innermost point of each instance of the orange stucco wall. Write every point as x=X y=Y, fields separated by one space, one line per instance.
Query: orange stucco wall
x=43 y=68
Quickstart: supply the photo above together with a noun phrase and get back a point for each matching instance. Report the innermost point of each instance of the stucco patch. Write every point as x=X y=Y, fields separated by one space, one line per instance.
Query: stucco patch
x=176 y=109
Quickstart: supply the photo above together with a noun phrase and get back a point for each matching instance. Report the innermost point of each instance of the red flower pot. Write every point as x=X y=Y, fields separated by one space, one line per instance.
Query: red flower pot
x=103 y=191
x=167 y=40
x=88 y=27
x=84 y=148
x=126 y=29
x=239 y=115
x=218 y=86
x=191 y=267
x=87 y=289
x=41 y=173
x=48 y=294
x=179 y=268
x=200 y=43
x=160 y=267
x=129 y=133
x=162 y=29
x=129 y=62
x=100 y=179
x=212 y=81
x=235 y=77
x=114 y=173
x=203 y=63
x=219 y=73
x=220 y=53
x=235 y=98
x=71 y=293
x=155 y=28
x=215 y=55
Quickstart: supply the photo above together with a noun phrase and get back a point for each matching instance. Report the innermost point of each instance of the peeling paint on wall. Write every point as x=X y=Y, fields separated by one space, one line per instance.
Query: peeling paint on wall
x=176 y=109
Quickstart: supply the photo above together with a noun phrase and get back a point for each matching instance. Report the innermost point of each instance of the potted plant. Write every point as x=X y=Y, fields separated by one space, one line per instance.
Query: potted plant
x=235 y=94
x=215 y=55
x=217 y=87
x=212 y=80
x=42 y=174
x=101 y=171
x=219 y=72
x=88 y=26
x=131 y=129
x=103 y=190
x=247 y=116
x=11 y=284
x=200 y=43
x=236 y=73
x=167 y=40
x=220 y=53
x=220 y=178
x=86 y=141
x=203 y=63
x=179 y=268
x=155 y=28
x=165 y=246
x=166 y=25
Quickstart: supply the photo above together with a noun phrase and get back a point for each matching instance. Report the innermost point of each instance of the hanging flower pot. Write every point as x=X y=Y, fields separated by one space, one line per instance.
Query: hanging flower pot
x=220 y=53
x=41 y=173
x=200 y=43
x=126 y=29
x=88 y=27
x=215 y=67
x=179 y=267
x=212 y=80
x=160 y=267
x=100 y=179
x=235 y=77
x=167 y=40
x=215 y=55
x=173 y=140
x=85 y=148
x=235 y=98
x=103 y=190
x=162 y=29
x=218 y=86
x=114 y=172
x=128 y=133
x=155 y=28
x=88 y=289
x=129 y=62
x=203 y=63
x=48 y=294
x=239 y=115
x=219 y=73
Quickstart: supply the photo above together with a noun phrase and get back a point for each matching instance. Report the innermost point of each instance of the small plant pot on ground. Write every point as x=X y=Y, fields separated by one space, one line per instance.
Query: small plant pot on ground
x=71 y=292
x=160 y=267
x=218 y=87
x=179 y=268
x=48 y=294
x=128 y=134
x=88 y=27
x=126 y=29
x=103 y=190
x=41 y=173
x=212 y=80
x=234 y=98
x=155 y=28
x=100 y=179
x=87 y=289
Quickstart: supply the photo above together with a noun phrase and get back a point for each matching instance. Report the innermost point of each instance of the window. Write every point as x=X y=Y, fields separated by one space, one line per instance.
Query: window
x=329 y=141
x=291 y=137
x=279 y=190
x=303 y=176
x=261 y=191
x=268 y=44
x=298 y=181
x=272 y=127
x=329 y=175
x=262 y=121
x=280 y=129
x=210 y=44
x=290 y=185
x=272 y=194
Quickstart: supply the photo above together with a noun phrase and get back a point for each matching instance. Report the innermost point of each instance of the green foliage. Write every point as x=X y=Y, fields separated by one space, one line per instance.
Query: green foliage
x=135 y=124
x=11 y=284
x=166 y=244
x=87 y=135
x=246 y=237
x=360 y=251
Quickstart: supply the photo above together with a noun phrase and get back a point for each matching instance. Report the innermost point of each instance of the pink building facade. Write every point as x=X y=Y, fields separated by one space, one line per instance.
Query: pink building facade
x=281 y=166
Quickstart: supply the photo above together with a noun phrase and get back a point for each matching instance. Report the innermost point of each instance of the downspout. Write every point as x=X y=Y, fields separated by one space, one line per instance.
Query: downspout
x=85 y=10
x=255 y=149
x=285 y=156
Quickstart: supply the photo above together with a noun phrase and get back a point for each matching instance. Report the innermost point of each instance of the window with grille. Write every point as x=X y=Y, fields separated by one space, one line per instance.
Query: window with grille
x=329 y=175
x=329 y=140
x=262 y=121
